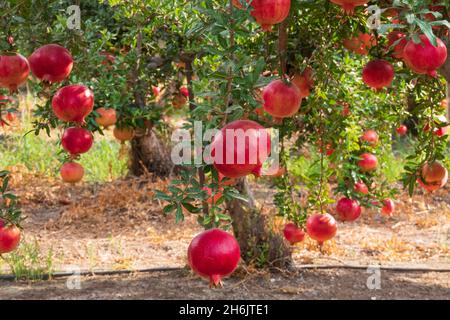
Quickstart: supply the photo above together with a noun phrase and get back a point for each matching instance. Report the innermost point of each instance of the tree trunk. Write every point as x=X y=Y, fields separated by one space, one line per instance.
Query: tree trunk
x=260 y=246
x=149 y=154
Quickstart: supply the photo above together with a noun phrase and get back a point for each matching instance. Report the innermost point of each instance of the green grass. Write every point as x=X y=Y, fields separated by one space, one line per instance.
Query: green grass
x=101 y=163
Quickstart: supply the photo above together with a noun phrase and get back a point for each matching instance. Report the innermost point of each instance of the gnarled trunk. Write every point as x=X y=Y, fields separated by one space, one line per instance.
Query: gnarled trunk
x=260 y=246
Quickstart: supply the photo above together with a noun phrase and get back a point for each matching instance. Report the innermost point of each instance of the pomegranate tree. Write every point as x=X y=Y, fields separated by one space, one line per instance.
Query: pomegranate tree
x=281 y=99
x=348 y=209
x=424 y=58
x=293 y=233
x=9 y=237
x=214 y=254
x=321 y=227
x=14 y=71
x=73 y=103
x=246 y=155
x=72 y=172
x=77 y=140
x=378 y=74
x=51 y=63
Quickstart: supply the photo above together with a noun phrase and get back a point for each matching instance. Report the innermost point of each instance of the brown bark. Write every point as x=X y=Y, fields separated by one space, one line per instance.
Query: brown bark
x=260 y=246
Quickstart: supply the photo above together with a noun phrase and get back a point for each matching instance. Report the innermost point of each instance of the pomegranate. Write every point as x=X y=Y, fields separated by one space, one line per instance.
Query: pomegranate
x=388 y=208
x=246 y=155
x=378 y=74
x=178 y=101
x=402 y=130
x=368 y=162
x=293 y=234
x=321 y=227
x=10 y=117
x=349 y=5
x=441 y=131
x=304 y=82
x=184 y=91
x=444 y=104
x=424 y=58
x=14 y=71
x=433 y=176
x=397 y=42
x=348 y=209
x=269 y=12
x=360 y=44
x=212 y=199
x=9 y=237
x=361 y=187
x=51 y=63
x=123 y=134
x=371 y=137
x=281 y=100
x=214 y=254
x=107 y=117
x=156 y=91
x=77 y=140
x=73 y=103
x=72 y=172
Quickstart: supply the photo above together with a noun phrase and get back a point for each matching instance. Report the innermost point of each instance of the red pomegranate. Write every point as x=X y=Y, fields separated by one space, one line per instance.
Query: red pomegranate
x=281 y=100
x=424 y=58
x=184 y=91
x=214 y=254
x=293 y=234
x=349 y=5
x=368 y=162
x=73 y=103
x=371 y=137
x=441 y=131
x=14 y=71
x=270 y=12
x=304 y=82
x=348 y=209
x=123 y=134
x=388 y=208
x=51 y=63
x=360 y=44
x=321 y=227
x=378 y=74
x=397 y=42
x=361 y=187
x=9 y=237
x=77 y=140
x=71 y=172
x=433 y=176
x=402 y=130
x=107 y=117
x=156 y=91
x=246 y=155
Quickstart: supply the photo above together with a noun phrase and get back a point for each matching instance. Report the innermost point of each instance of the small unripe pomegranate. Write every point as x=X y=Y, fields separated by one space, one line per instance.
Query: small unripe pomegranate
x=9 y=237
x=371 y=137
x=321 y=227
x=368 y=162
x=293 y=234
x=107 y=117
x=73 y=103
x=378 y=74
x=214 y=254
x=77 y=140
x=348 y=209
x=281 y=99
x=72 y=172
x=123 y=134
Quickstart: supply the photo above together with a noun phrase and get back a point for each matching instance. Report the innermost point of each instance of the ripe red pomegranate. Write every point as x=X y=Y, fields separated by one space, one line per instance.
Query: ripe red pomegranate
x=321 y=227
x=246 y=155
x=77 y=140
x=9 y=237
x=361 y=187
x=281 y=100
x=388 y=208
x=156 y=91
x=304 y=82
x=107 y=117
x=424 y=58
x=441 y=131
x=360 y=44
x=73 y=103
x=371 y=137
x=123 y=134
x=349 y=5
x=348 y=209
x=184 y=91
x=368 y=162
x=402 y=130
x=71 y=172
x=14 y=71
x=293 y=234
x=399 y=39
x=212 y=199
x=51 y=63
x=378 y=74
x=11 y=117
x=433 y=176
x=270 y=12
x=214 y=254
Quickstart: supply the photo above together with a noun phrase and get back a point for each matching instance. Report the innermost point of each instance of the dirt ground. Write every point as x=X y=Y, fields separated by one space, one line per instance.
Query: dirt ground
x=119 y=225
x=307 y=284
